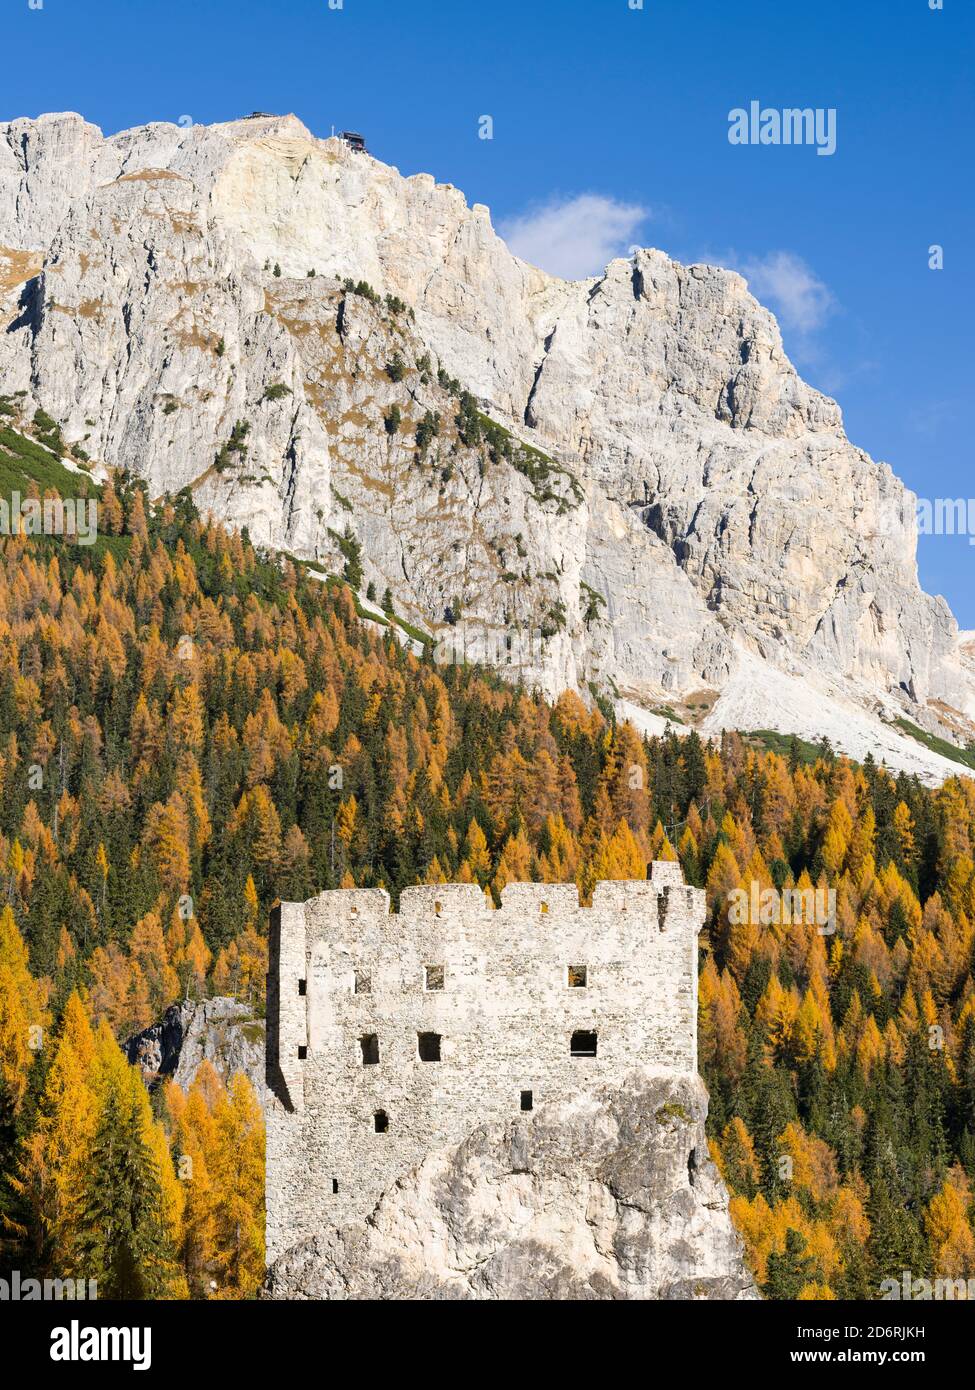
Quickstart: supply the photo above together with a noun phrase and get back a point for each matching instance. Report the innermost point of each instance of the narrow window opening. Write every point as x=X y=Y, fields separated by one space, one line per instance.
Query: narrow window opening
x=428 y=1047
x=527 y=1101
x=335 y=1187
x=577 y=977
x=381 y=1121
x=363 y=982
x=438 y=908
x=302 y=988
x=433 y=977
x=369 y=1043
x=302 y=1053
x=544 y=907
x=583 y=1044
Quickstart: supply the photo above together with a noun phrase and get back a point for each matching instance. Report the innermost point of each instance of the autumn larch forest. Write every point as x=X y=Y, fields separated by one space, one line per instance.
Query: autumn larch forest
x=191 y=729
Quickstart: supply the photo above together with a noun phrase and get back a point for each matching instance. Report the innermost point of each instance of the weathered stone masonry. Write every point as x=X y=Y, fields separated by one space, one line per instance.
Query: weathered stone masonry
x=513 y=1007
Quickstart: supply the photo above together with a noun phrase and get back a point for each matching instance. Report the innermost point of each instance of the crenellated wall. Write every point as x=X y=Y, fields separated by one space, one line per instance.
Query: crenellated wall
x=499 y=989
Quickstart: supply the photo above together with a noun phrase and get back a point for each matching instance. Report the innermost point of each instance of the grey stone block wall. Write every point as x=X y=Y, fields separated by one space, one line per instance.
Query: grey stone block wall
x=347 y=977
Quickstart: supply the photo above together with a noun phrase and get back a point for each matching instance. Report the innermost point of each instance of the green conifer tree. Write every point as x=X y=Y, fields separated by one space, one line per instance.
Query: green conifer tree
x=124 y=1243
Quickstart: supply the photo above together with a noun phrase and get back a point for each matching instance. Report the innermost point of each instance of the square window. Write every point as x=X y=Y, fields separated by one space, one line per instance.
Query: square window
x=428 y=1047
x=433 y=977
x=583 y=1044
x=380 y=1121
x=527 y=1101
x=363 y=982
x=577 y=976
x=369 y=1043
x=302 y=1053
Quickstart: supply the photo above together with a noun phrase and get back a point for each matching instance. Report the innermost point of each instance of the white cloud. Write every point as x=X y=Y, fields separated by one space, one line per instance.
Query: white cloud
x=786 y=283
x=574 y=237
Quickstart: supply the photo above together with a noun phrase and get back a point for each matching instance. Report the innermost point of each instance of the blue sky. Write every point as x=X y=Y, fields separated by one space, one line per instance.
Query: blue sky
x=610 y=128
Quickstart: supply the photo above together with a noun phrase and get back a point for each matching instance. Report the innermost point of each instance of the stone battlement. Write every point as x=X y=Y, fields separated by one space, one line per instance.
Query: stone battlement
x=392 y=1033
x=462 y=902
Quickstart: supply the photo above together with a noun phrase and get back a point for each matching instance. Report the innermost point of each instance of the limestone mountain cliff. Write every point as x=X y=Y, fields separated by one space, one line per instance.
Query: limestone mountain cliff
x=611 y=1195
x=625 y=472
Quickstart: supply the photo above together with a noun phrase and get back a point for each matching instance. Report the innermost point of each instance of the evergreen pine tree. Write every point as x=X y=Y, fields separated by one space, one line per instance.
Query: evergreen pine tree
x=123 y=1243
x=788 y=1271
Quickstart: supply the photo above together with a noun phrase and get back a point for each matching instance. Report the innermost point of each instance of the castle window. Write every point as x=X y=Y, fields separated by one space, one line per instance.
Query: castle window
x=428 y=1047
x=438 y=908
x=302 y=1053
x=527 y=1101
x=335 y=1187
x=370 y=1049
x=302 y=988
x=381 y=1121
x=544 y=907
x=433 y=977
x=583 y=1044
x=577 y=977
x=363 y=982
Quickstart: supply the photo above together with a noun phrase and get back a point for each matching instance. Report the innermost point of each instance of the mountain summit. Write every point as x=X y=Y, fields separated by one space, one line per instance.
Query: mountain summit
x=618 y=484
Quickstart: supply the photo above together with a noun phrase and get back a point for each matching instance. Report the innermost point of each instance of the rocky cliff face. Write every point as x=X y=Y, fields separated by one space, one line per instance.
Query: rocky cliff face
x=223 y=1032
x=609 y=1196
x=667 y=511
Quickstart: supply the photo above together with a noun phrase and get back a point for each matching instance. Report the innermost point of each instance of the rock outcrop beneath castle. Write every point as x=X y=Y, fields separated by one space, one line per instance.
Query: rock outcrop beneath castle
x=608 y=1195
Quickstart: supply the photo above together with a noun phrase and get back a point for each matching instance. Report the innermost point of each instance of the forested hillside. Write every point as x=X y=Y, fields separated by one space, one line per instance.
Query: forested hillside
x=190 y=729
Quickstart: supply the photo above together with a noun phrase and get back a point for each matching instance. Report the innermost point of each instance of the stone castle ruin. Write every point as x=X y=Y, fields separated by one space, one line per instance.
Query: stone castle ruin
x=391 y=1034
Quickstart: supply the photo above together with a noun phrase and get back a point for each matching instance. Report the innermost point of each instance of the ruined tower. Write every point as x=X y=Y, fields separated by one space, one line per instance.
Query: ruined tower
x=390 y=1034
